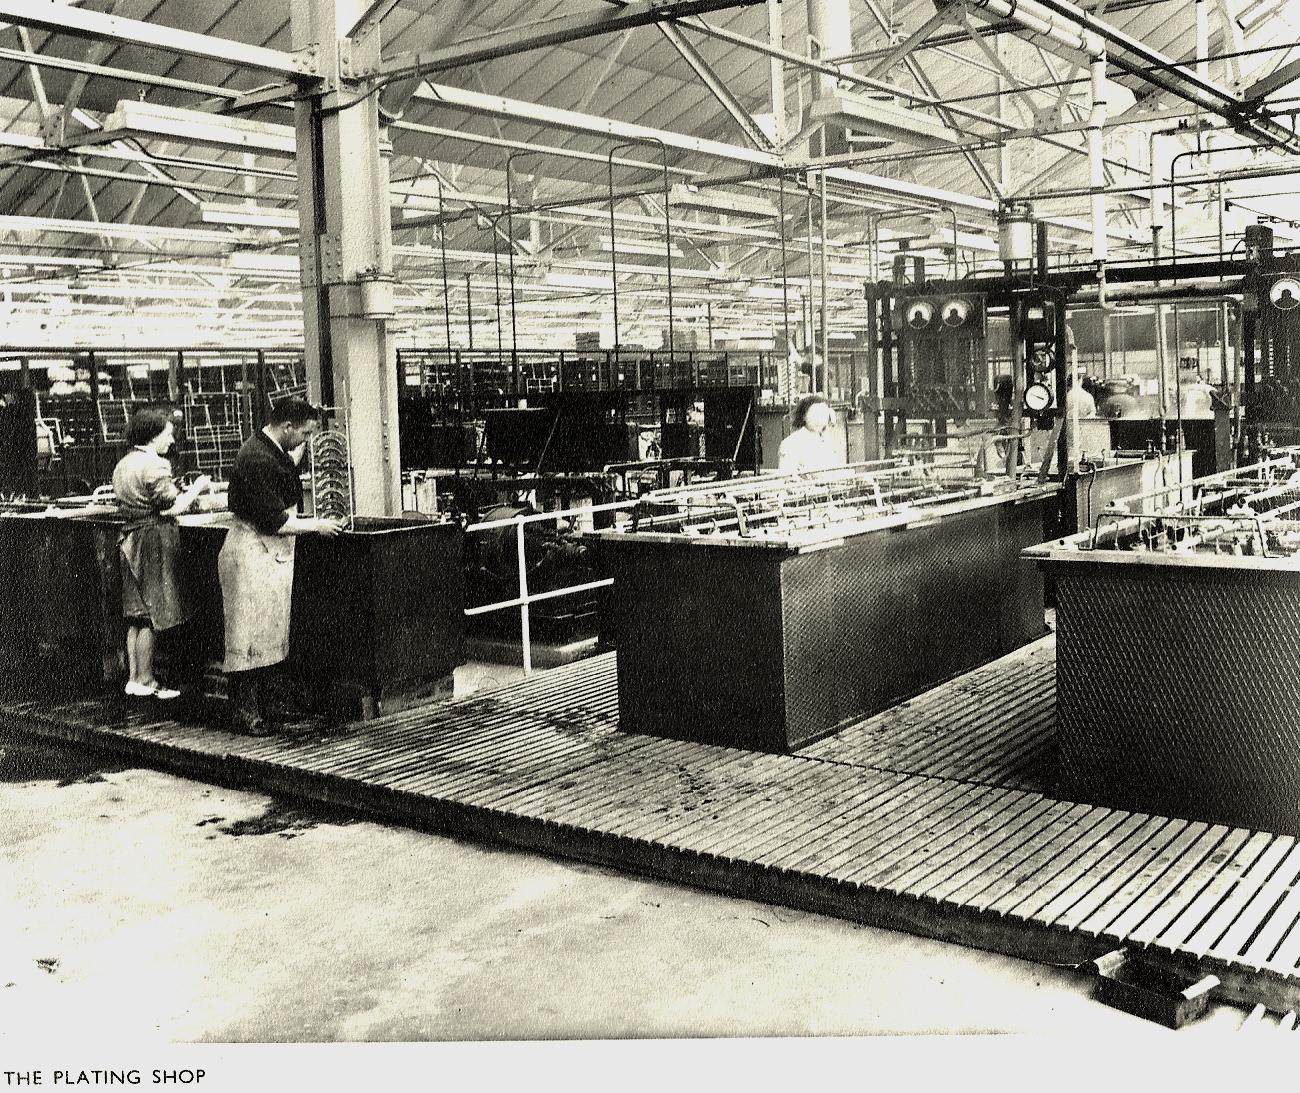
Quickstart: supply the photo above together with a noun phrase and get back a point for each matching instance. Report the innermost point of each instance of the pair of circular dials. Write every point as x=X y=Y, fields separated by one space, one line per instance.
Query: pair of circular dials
x=920 y=314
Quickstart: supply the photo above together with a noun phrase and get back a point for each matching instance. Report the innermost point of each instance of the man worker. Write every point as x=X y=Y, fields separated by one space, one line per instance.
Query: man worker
x=256 y=561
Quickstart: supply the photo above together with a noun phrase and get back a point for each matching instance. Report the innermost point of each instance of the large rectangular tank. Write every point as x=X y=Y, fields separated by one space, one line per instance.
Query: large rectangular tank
x=1178 y=651
x=765 y=612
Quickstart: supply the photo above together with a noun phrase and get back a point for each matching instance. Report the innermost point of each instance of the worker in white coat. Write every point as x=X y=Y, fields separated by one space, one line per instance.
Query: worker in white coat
x=808 y=447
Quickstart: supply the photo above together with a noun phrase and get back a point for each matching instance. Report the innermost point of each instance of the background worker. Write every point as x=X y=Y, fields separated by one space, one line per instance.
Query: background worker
x=256 y=560
x=808 y=447
x=148 y=544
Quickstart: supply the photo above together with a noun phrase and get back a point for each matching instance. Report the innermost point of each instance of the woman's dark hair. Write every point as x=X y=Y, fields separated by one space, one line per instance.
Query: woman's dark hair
x=802 y=407
x=293 y=411
x=146 y=424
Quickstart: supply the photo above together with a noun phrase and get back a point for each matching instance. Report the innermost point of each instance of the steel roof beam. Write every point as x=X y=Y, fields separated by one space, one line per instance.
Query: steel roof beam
x=60 y=19
x=547 y=32
x=714 y=83
x=86 y=68
x=498 y=106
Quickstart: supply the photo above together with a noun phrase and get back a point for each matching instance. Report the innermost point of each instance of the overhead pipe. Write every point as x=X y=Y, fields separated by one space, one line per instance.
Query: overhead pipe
x=1031 y=15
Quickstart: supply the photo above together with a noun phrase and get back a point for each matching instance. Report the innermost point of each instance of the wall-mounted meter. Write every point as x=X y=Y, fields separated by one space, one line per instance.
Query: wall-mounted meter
x=944 y=316
x=1285 y=294
x=919 y=315
x=956 y=313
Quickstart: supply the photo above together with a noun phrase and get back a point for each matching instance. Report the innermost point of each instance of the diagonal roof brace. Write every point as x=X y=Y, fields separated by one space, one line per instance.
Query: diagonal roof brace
x=1065 y=24
x=546 y=32
x=721 y=92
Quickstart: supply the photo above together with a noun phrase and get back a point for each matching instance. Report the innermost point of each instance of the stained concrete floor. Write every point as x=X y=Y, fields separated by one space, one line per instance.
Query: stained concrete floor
x=145 y=908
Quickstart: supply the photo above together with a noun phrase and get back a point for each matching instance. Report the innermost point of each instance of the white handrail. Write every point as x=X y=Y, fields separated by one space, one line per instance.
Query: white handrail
x=525 y=598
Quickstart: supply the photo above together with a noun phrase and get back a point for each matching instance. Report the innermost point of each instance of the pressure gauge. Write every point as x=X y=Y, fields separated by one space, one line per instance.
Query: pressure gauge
x=920 y=314
x=1037 y=398
x=956 y=312
x=1285 y=294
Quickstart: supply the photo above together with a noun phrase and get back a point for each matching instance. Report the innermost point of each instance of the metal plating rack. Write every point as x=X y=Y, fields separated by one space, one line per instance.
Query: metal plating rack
x=1240 y=513
x=331 y=474
x=786 y=508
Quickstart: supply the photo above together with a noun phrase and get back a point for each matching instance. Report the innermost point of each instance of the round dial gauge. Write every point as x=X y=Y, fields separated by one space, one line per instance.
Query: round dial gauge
x=1285 y=294
x=1037 y=397
x=956 y=312
x=920 y=314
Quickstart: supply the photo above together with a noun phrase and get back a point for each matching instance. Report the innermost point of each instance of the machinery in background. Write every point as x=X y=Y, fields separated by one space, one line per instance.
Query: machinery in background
x=982 y=364
x=64 y=410
x=1271 y=344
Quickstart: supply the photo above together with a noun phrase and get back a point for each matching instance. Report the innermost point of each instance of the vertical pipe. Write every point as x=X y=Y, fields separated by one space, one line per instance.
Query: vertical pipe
x=830 y=23
x=825 y=327
x=510 y=241
x=1202 y=39
x=442 y=247
x=1017 y=390
x=668 y=250
x=496 y=281
x=1096 y=160
x=788 y=371
x=776 y=71
x=810 y=337
x=469 y=312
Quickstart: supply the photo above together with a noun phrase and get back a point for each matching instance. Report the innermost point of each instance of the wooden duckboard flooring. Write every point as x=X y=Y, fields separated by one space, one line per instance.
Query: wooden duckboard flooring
x=935 y=817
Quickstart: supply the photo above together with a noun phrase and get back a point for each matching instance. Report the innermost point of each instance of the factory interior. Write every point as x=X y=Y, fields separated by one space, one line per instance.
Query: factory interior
x=798 y=535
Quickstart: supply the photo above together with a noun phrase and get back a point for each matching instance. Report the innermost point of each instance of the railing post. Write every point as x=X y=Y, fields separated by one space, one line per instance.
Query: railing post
x=523 y=595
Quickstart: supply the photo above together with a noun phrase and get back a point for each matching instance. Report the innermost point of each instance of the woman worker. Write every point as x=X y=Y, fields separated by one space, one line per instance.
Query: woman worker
x=150 y=500
x=808 y=447
x=256 y=560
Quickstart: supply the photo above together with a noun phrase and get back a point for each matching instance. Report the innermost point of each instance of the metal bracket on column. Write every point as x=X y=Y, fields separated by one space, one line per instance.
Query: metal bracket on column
x=331 y=258
x=307 y=60
x=356 y=62
x=307 y=250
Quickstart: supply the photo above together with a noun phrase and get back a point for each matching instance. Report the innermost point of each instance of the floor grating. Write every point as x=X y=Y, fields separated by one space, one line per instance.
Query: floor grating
x=935 y=817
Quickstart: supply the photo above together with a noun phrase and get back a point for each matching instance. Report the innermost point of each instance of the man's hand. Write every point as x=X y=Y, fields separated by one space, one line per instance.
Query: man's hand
x=331 y=528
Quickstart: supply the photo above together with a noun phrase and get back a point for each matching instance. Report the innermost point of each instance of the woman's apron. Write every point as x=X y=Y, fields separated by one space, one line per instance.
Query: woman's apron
x=256 y=572
x=148 y=546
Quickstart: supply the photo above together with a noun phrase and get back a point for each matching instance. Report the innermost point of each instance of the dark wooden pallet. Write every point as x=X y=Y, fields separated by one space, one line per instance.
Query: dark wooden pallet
x=935 y=817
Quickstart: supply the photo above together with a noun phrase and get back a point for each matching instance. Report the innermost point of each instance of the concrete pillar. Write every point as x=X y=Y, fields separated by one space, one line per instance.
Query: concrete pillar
x=346 y=255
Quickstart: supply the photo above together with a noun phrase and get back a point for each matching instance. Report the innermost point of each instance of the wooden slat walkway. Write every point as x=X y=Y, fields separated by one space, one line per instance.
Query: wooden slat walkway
x=935 y=817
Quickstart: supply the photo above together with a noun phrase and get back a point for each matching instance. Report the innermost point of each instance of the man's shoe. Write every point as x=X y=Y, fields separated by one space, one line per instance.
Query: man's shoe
x=247 y=724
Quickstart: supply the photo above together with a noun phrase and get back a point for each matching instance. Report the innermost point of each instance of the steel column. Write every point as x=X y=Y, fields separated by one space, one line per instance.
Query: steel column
x=345 y=241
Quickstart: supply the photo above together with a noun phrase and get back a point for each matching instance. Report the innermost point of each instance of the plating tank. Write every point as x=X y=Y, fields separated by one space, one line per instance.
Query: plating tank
x=1178 y=651
x=765 y=612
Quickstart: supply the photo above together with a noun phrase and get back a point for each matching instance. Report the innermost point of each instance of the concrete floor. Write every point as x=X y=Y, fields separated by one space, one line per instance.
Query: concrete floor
x=145 y=908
